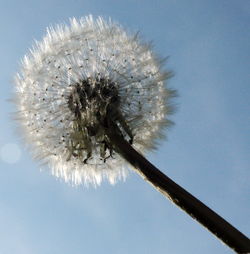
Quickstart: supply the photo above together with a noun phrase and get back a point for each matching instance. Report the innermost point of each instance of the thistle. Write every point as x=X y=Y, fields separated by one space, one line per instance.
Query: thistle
x=92 y=97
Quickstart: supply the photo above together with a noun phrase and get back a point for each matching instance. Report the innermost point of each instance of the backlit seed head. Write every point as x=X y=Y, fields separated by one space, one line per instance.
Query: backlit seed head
x=76 y=80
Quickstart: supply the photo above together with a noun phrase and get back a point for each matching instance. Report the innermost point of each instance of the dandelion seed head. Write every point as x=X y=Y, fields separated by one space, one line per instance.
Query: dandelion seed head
x=79 y=75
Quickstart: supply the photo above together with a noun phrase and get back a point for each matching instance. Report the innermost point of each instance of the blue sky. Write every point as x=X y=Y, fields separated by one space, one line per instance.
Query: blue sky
x=207 y=151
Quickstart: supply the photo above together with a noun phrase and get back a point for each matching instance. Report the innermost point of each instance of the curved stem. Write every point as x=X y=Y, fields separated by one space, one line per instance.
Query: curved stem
x=183 y=199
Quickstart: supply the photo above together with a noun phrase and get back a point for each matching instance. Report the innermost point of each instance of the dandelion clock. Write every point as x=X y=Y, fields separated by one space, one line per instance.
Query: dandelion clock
x=83 y=77
x=92 y=98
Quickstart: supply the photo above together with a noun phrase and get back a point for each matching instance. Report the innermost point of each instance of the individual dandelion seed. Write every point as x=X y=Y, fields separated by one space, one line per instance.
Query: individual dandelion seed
x=80 y=78
x=89 y=97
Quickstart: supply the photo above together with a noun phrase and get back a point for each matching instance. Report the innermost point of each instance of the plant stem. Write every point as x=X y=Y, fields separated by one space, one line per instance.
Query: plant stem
x=183 y=199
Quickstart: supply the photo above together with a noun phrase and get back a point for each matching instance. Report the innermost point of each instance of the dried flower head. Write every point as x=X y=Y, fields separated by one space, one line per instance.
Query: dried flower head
x=78 y=79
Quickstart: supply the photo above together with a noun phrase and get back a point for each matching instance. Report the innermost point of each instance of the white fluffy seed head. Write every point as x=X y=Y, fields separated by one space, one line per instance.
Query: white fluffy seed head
x=59 y=115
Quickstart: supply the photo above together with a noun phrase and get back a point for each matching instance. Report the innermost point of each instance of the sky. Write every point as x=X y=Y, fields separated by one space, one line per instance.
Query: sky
x=207 y=151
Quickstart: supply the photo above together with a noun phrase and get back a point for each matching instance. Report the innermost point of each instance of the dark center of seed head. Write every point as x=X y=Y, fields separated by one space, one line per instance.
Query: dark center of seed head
x=95 y=104
x=92 y=101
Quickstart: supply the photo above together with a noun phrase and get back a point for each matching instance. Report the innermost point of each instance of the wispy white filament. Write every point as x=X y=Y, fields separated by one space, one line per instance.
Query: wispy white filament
x=87 y=49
